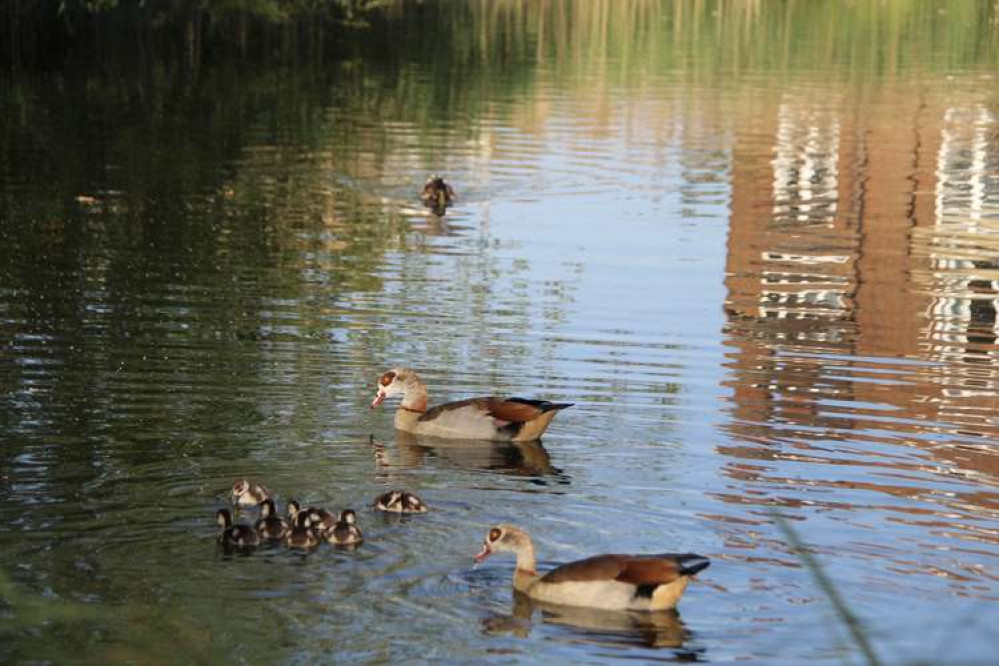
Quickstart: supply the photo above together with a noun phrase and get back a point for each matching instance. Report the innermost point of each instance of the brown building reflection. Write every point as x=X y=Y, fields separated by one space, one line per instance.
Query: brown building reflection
x=863 y=274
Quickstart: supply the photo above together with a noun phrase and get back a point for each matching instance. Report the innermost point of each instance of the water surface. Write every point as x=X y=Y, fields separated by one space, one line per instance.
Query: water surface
x=757 y=246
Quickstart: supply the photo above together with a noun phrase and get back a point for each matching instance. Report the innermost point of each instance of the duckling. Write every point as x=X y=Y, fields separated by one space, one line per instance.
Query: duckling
x=400 y=501
x=321 y=520
x=314 y=517
x=245 y=493
x=234 y=536
x=293 y=510
x=270 y=525
x=301 y=535
x=345 y=532
x=437 y=194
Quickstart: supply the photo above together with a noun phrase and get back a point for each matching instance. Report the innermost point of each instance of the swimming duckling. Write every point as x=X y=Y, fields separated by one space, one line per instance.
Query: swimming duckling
x=345 y=532
x=314 y=517
x=293 y=509
x=437 y=194
x=234 y=536
x=271 y=525
x=321 y=520
x=400 y=501
x=245 y=493
x=301 y=535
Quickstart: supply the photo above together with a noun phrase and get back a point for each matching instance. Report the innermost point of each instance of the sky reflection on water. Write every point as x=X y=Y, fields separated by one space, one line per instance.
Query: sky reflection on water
x=768 y=285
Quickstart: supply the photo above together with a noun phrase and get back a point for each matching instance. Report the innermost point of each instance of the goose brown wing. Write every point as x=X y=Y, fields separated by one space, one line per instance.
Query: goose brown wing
x=638 y=570
x=599 y=567
x=511 y=411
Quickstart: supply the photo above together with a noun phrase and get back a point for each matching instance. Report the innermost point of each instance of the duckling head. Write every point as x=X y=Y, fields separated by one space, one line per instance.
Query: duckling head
x=240 y=488
x=223 y=518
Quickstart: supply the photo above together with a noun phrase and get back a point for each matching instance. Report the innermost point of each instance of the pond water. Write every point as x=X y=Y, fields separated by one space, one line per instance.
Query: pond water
x=756 y=244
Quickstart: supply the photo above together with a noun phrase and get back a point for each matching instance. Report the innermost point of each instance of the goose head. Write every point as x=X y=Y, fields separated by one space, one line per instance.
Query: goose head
x=390 y=383
x=505 y=538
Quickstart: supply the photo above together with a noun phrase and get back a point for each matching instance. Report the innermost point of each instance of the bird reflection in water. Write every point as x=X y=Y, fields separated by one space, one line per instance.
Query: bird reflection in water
x=519 y=458
x=661 y=629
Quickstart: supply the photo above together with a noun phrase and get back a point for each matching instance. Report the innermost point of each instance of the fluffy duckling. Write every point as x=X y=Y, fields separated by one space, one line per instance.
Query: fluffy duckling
x=437 y=194
x=270 y=525
x=234 y=536
x=245 y=493
x=400 y=501
x=611 y=582
x=301 y=535
x=293 y=510
x=321 y=520
x=345 y=532
x=314 y=517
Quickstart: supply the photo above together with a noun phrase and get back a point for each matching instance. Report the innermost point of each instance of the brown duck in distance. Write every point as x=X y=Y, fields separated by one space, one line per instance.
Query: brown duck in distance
x=502 y=419
x=611 y=582
x=437 y=195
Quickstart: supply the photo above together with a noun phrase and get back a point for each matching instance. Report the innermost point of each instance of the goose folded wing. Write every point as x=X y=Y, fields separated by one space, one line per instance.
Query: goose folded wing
x=636 y=570
x=513 y=410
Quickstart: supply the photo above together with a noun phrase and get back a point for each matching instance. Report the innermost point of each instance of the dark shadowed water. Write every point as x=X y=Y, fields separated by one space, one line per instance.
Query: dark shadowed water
x=756 y=244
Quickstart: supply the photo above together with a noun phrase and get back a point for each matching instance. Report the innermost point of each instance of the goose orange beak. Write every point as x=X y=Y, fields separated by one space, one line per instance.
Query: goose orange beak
x=378 y=400
x=486 y=552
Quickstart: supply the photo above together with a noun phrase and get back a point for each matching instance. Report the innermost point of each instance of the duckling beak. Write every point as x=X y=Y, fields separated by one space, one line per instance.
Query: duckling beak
x=378 y=399
x=441 y=198
x=486 y=552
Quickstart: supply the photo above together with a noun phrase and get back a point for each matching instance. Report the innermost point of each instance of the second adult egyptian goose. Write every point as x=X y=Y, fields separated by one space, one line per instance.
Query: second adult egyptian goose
x=505 y=419
x=611 y=582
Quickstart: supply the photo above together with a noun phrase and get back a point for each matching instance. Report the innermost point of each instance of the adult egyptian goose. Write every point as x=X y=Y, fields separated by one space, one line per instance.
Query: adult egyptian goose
x=504 y=419
x=611 y=582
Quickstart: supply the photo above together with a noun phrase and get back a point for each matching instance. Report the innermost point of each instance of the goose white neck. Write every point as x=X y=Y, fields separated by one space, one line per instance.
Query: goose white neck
x=414 y=398
x=525 y=557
